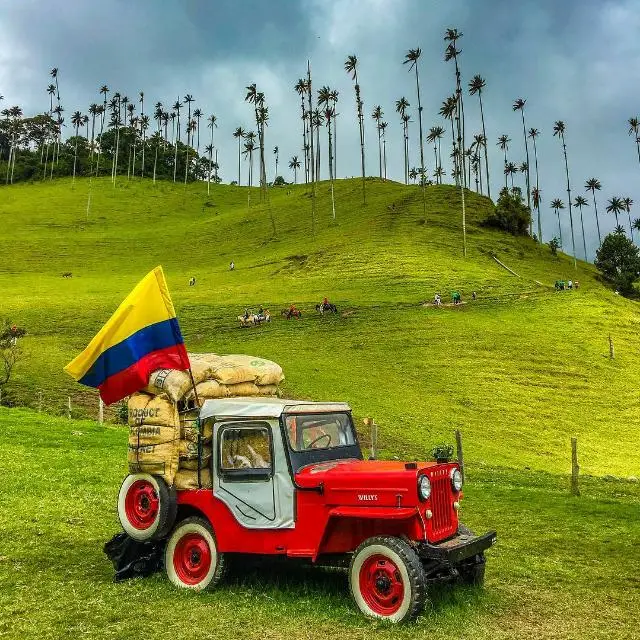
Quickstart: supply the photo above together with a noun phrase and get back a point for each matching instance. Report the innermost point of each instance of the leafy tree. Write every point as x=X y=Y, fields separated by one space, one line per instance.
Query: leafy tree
x=10 y=351
x=511 y=213
x=618 y=259
x=554 y=245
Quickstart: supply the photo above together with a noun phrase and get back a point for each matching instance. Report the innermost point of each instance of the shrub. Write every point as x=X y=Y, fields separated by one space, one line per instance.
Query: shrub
x=511 y=213
x=554 y=245
x=618 y=260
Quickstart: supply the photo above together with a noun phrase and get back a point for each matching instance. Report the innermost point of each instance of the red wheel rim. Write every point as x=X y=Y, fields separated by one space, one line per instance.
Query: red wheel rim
x=141 y=504
x=192 y=558
x=381 y=585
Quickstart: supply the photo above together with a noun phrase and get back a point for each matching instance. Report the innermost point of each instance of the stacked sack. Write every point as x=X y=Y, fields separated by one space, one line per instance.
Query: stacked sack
x=163 y=419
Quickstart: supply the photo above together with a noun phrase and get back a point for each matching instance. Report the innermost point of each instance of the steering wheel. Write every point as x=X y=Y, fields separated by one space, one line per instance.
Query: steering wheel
x=320 y=437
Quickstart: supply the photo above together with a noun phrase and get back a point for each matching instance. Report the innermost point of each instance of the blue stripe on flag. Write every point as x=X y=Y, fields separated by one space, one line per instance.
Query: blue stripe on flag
x=122 y=355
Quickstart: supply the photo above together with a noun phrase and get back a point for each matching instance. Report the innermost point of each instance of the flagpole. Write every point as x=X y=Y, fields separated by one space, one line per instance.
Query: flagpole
x=195 y=395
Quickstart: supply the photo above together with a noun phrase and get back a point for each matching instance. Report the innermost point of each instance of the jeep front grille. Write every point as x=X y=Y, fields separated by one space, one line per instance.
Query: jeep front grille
x=443 y=523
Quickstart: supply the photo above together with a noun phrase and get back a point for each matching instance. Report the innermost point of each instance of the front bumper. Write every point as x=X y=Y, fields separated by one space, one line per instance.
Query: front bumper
x=458 y=548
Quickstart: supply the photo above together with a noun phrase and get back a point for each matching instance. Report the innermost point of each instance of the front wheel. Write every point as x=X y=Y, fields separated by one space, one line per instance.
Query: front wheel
x=191 y=557
x=387 y=579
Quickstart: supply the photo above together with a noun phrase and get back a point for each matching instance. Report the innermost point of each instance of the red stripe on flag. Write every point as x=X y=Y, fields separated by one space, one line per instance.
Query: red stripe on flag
x=136 y=377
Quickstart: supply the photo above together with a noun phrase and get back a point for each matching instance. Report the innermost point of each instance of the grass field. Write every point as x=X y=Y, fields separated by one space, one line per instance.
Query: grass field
x=519 y=371
x=564 y=567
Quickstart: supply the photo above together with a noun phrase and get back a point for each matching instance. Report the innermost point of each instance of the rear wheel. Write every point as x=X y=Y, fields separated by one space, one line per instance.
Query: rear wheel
x=387 y=579
x=146 y=507
x=191 y=557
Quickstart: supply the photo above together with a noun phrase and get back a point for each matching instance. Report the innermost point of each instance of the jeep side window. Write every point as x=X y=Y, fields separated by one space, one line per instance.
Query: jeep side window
x=245 y=448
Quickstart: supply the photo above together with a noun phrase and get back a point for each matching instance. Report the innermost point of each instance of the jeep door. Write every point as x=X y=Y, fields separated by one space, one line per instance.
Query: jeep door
x=251 y=473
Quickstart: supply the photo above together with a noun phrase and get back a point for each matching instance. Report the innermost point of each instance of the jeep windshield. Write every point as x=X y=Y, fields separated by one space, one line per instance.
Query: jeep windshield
x=319 y=437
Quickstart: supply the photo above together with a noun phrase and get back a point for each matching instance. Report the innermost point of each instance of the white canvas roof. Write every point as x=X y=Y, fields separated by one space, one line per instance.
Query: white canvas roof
x=259 y=407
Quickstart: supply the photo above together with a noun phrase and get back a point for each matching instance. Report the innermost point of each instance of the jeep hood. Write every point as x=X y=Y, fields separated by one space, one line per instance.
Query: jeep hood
x=366 y=483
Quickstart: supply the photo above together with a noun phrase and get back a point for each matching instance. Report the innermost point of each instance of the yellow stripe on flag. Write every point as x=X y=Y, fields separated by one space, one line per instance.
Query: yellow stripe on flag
x=147 y=304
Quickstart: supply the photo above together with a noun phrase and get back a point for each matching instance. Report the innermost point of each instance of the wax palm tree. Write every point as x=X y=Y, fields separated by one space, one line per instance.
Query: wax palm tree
x=593 y=185
x=294 y=164
x=239 y=133
x=197 y=114
x=104 y=90
x=615 y=205
x=276 y=153
x=475 y=163
x=519 y=105
x=54 y=74
x=158 y=116
x=536 y=196
x=301 y=89
x=317 y=120
x=188 y=99
x=439 y=173
x=144 y=125
x=448 y=112
x=209 y=150
x=581 y=201
x=383 y=127
x=334 y=99
x=94 y=110
x=212 y=121
x=556 y=205
x=401 y=107
x=559 y=130
x=476 y=86
x=351 y=67
x=249 y=149
x=58 y=110
x=634 y=127
x=411 y=58
x=377 y=116
x=76 y=121
x=177 y=105
x=503 y=143
x=533 y=134
x=627 y=206
x=329 y=114
x=451 y=53
x=479 y=142
x=413 y=174
x=51 y=90
x=511 y=169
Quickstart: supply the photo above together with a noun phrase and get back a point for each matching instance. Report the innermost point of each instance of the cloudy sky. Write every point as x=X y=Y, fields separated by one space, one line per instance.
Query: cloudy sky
x=572 y=60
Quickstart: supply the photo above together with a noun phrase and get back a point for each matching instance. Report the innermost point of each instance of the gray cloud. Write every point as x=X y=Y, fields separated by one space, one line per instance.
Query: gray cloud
x=575 y=60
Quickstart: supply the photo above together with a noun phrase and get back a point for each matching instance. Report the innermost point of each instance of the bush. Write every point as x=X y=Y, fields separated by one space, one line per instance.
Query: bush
x=618 y=260
x=554 y=245
x=511 y=213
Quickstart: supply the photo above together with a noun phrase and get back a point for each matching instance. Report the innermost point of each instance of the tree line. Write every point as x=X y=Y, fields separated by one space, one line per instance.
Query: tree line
x=117 y=137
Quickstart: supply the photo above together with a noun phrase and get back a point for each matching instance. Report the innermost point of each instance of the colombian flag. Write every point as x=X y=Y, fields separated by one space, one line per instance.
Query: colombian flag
x=141 y=336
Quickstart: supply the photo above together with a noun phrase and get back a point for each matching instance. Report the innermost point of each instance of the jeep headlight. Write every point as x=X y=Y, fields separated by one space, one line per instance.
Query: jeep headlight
x=456 y=479
x=424 y=488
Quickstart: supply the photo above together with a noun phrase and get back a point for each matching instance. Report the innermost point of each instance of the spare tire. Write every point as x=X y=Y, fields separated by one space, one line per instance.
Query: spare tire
x=147 y=507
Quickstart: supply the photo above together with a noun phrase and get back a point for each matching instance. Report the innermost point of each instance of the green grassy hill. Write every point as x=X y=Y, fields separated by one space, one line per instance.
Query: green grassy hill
x=518 y=371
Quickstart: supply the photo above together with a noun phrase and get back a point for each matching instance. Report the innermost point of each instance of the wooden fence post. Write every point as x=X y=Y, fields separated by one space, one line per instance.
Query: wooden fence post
x=69 y=407
x=459 y=452
x=100 y=411
x=612 y=354
x=371 y=423
x=575 y=469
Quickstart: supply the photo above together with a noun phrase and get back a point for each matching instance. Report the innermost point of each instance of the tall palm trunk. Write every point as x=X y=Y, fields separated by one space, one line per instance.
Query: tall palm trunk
x=239 y=153
x=331 y=176
x=380 y=149
x=559 y=226
x=566 y=167
x=102 y=117
x=535 y=154
x=584 y=238
x=115 y=166
x=313 y=176
x=177 y=139
x=422 y=173
x=486 y=153
x=506 y=177
x=155 y=159
x=528 y=177
x=361 y=126
x=335 y=143
x=304 y=138
x=595 y=208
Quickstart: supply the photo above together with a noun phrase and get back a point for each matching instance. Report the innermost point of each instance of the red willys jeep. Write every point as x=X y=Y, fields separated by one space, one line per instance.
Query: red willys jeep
x=289 y=479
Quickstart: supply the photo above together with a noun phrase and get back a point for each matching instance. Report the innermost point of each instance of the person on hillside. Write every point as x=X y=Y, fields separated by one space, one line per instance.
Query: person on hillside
x=232 y=265
x=576 y=285
x=473 y=295
x=570 y=284
x=456 y=297
x=292 y=312
x=325 y=303
x=437 y=300
x=246 y=314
